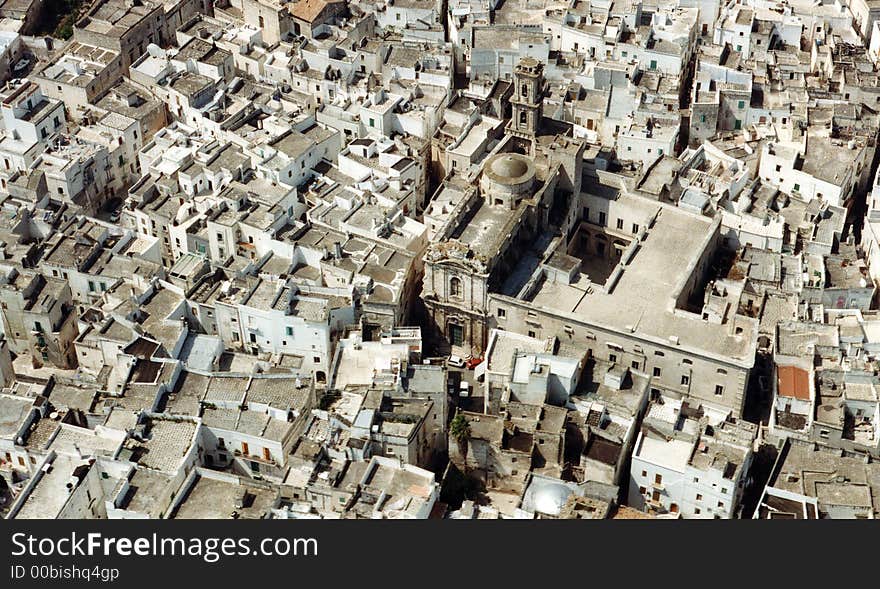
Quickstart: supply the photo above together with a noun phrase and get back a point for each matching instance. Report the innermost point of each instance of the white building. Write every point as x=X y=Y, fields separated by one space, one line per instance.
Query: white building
x=689 y=462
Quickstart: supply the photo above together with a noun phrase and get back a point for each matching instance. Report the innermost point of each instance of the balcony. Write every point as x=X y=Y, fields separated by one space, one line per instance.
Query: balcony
x=655 y=505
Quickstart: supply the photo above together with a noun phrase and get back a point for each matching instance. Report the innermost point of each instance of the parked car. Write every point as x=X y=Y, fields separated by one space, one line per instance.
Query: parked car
x=456 y=361
x=464 y=389
x=472 y=362
x=114 y=216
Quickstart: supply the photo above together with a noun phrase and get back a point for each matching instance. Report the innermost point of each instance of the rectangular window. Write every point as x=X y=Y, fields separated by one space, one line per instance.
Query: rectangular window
x=288 y=330
x=456 y=334
x=502 y=313
x=685 y=379
x=657 y=372
x=719 y=390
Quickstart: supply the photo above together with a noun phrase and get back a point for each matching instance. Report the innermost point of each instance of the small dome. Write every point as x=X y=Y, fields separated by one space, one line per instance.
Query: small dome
x=551 y=498
x=510 y=166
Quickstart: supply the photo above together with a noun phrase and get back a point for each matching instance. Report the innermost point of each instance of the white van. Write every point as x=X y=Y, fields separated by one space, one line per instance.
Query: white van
x=456 y=361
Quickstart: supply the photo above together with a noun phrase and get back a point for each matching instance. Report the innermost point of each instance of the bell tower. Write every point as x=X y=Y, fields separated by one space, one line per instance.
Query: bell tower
x=527 y=99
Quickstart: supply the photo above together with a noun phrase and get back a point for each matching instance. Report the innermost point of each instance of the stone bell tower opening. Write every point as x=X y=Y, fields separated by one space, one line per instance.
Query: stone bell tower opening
x=527 y=99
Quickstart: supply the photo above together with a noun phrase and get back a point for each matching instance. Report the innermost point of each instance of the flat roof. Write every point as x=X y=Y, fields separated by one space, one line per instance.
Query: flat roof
x=643 y=299
x=219 y=498
x=672 y=454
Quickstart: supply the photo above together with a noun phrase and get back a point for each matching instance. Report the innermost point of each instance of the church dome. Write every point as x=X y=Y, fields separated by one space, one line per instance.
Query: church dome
x=510 y=168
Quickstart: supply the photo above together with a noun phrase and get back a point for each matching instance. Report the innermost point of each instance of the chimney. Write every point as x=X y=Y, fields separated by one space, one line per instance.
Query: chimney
x=337 y=250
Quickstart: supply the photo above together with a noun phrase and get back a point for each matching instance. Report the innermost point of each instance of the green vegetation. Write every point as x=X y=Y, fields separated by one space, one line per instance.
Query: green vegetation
x=460 y=429
x=58 y=18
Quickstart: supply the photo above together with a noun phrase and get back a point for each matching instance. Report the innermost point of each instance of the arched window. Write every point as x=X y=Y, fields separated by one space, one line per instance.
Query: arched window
x=523 y=118
x=524 y=90
x=455 y=287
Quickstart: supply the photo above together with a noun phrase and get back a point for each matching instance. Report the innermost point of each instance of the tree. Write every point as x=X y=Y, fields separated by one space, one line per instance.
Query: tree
x=460 y=429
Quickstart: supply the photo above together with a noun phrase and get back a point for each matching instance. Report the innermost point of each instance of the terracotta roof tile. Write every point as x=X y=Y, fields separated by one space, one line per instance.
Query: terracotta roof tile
x=793 y=382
